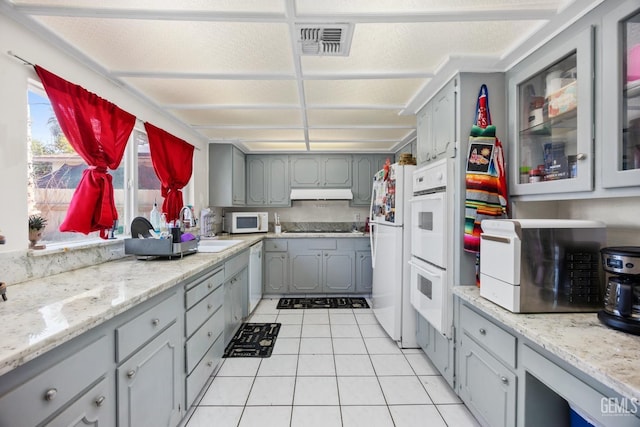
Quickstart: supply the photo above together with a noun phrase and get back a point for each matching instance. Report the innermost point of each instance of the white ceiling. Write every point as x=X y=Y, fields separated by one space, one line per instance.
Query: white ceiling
x=229 y=69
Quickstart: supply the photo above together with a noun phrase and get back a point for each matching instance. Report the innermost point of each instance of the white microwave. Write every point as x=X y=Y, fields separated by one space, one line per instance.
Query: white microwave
x=246 y=222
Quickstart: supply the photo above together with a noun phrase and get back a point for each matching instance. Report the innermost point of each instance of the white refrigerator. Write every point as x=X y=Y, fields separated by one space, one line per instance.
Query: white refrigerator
x=391 y=251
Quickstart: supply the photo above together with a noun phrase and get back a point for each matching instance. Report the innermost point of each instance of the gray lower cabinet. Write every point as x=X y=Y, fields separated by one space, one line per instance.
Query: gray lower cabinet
x=236 y=293
x=268 y=181
x=438 y=348
x=364 y=272
x=486 y=362
x=321 y=265
x=149 y=385
x=306 y=270
x=71 y=385
x=227 y=176
x=276 y=273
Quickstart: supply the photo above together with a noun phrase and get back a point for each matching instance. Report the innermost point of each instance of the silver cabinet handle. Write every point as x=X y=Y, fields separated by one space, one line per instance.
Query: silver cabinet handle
x=326 y=254
x=483 y=331
x=210 y=285
x=50 y=394
x=155 y=322
x=504 y=380
x=209 y=306
x=100 y=401
x=581 y=156
x=209 y=334
x=210 y=363
x=131 y=373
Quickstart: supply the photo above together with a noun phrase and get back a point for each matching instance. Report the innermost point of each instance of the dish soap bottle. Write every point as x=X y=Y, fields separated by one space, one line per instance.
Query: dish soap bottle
x=154 y=217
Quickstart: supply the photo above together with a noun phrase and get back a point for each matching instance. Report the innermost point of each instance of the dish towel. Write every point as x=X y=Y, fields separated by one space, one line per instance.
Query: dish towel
x=486 y=193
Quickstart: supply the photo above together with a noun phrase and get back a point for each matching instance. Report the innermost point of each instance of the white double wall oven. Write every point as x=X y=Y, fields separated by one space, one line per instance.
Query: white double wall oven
x=431 y=258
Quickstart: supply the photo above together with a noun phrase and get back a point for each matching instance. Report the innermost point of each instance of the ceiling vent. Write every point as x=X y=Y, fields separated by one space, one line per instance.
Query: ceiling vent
x=324 y=39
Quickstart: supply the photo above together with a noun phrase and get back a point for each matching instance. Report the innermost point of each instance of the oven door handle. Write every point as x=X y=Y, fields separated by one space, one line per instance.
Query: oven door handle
x=431 y=271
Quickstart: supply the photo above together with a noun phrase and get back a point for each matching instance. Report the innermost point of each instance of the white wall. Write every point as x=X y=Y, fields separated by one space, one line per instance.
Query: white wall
x=14 y=76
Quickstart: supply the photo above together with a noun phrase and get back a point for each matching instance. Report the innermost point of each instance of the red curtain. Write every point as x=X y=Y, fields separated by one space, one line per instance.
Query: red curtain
x=98 y=130
x=172 y=160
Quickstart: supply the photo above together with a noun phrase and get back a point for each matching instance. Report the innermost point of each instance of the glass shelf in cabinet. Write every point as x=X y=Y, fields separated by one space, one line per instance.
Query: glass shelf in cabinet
x=566 y=120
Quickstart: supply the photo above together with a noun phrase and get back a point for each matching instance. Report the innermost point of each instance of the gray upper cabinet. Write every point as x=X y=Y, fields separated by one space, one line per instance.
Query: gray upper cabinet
x=436 y=125
x=551 y=107
x=268 y=181
x=321 y=171
x=621 y=97
x=227 y=176
x=364 y=166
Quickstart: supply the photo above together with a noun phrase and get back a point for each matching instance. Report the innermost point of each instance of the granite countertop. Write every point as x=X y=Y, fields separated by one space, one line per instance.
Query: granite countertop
x=42 y=314
x=607 y=355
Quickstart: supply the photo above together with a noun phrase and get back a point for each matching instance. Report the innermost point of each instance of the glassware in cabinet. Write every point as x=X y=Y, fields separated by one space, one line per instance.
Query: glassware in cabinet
x=552 y=131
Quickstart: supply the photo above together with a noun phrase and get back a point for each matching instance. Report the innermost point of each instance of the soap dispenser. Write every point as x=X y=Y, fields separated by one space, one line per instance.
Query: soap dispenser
x=154 y=217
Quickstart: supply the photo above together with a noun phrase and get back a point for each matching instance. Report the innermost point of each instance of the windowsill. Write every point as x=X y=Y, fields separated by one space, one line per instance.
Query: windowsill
x=56 y=248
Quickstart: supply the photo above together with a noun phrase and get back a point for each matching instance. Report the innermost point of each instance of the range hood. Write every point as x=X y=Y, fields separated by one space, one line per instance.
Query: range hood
x=321 y=194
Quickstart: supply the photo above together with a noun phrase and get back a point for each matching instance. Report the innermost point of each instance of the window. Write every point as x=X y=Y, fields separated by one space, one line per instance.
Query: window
x=55 y=170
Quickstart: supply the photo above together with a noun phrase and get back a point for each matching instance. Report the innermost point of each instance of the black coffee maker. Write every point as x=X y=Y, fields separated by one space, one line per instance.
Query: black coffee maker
x=622 y=295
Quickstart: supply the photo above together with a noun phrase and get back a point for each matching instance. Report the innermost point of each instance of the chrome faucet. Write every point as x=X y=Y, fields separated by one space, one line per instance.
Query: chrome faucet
x=186 y=217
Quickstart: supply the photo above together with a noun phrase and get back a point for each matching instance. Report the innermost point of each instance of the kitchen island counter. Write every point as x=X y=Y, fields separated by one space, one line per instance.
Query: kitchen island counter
x=608 y=356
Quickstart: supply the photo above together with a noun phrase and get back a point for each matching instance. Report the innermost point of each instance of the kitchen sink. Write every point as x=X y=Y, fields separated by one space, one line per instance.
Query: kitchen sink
x=216 y=245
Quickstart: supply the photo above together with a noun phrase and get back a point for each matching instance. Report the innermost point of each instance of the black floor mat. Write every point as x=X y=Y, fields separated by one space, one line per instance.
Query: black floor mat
x=322 y=302
x=253 y=340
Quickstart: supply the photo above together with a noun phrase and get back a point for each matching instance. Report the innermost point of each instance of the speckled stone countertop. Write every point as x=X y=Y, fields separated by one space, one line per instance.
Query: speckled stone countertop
x=44 y=313
x=609 y=356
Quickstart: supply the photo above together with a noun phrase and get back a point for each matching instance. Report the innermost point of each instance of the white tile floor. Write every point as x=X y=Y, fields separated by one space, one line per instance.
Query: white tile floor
x=329 y=368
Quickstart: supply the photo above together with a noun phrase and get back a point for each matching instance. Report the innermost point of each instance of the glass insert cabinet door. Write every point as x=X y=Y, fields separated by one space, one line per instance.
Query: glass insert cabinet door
x=621 y=96
x=553 y=126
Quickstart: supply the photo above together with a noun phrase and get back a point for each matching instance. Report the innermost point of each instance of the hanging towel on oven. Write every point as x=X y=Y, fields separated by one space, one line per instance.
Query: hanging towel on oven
x=486 y=193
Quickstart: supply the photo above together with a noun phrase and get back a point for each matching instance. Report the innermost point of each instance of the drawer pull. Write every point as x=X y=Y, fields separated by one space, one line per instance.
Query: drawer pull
x=50 y=394
x=210 y=363
x=210 y=285
x=131 y=373
x=504 y=380
x=155 y=322
x=483 y=331
x=209 y=334
x=209 y=306
x=100 y=401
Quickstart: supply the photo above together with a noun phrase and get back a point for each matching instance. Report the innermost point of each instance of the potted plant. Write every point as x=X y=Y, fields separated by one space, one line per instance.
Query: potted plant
x=37 y=223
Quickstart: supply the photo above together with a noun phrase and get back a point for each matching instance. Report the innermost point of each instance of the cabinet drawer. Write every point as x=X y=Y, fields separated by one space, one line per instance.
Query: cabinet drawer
x=198 y=378
x=136 y=332
x=200 y=312
x=310 y=244
x=202 y=339
x=275 y=245
x=198 y=291
x=96 y=404
x=49 y=391
x=493 y=338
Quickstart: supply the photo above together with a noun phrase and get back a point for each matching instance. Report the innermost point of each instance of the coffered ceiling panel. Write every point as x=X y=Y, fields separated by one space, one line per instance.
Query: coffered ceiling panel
x=240 y=117
x=357 y=117
x=365 y=134
x=171 y=92
x=131 y=45
x=361 y=92
x=262 y=135
x=235 y=70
